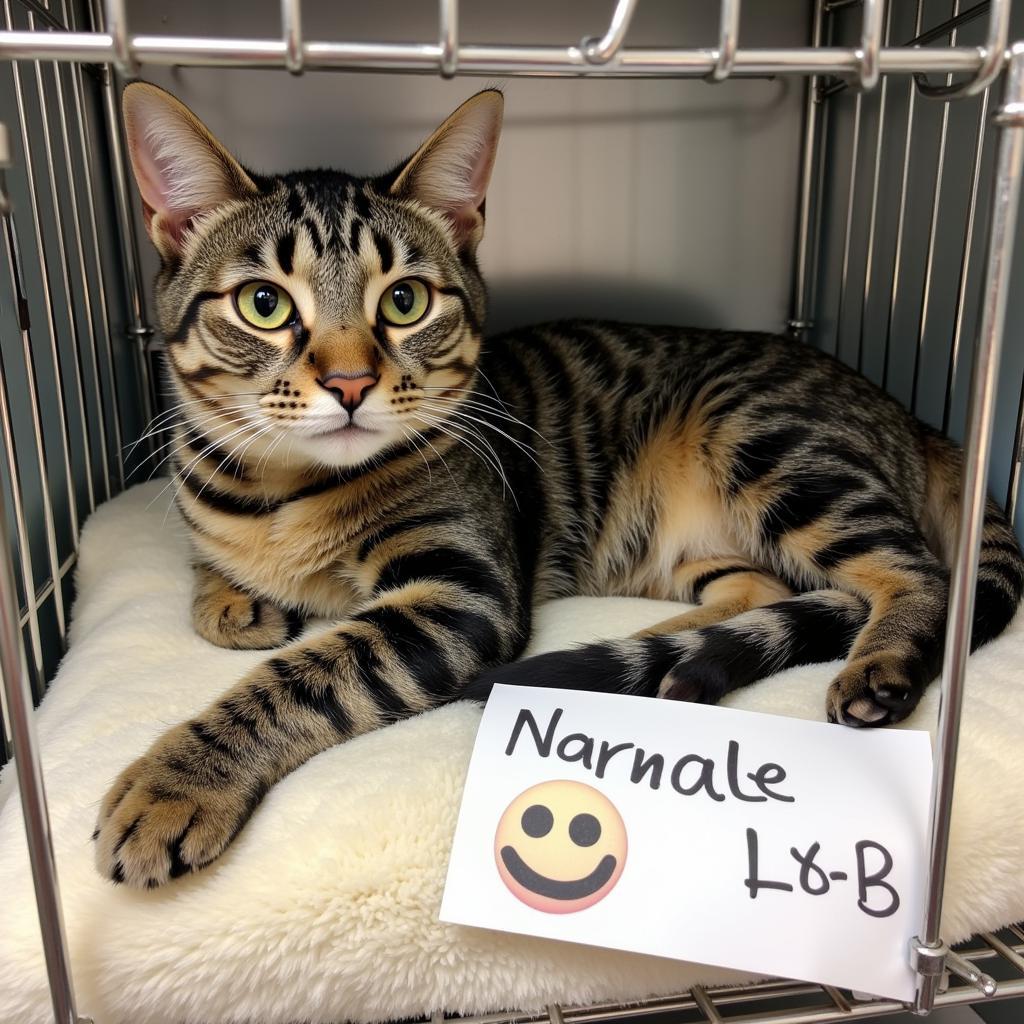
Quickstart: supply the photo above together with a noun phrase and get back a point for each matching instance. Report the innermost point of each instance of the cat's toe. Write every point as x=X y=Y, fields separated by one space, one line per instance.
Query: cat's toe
x=696 y=680
x=873 y=691
x=158 y=821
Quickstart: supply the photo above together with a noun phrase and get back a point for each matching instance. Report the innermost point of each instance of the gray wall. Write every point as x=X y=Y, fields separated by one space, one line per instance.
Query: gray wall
x=643 y=200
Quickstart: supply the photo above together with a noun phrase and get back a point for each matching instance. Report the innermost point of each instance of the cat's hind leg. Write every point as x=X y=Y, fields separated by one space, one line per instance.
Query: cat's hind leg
x=723 y=588
x=699 y=664
x=817 y=626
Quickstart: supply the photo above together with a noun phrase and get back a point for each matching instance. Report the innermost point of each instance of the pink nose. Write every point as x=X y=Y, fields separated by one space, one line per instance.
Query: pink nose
x=349 y=389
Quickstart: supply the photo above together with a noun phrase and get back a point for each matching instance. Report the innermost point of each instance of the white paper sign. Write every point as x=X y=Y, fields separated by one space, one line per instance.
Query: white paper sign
x=699 y=833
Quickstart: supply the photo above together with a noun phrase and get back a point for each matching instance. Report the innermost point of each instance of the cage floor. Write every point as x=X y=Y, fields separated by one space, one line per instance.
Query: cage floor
x=788 y=1002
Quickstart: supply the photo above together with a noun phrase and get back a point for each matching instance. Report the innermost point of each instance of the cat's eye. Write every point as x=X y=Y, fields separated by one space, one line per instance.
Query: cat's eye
x=405 y=302
x=264 y=305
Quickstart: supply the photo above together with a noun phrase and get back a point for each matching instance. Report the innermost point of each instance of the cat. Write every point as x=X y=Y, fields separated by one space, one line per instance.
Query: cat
x=347 y=446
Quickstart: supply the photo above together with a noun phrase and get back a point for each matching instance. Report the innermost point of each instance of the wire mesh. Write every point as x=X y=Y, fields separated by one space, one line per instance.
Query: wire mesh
x=778 y=1001
x=61 y=354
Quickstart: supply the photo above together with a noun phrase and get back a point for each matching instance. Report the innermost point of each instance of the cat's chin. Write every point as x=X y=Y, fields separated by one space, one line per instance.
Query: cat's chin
x=349 y=446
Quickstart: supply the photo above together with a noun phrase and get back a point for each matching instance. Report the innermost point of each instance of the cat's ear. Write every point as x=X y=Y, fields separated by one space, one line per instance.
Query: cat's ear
x=181 y=169
x=451 y=170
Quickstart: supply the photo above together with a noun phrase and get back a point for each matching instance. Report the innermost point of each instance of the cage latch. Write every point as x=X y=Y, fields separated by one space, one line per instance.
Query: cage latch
x=932 y=964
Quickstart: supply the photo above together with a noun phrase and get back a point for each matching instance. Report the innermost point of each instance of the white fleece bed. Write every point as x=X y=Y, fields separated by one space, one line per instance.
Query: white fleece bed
x=325 y=908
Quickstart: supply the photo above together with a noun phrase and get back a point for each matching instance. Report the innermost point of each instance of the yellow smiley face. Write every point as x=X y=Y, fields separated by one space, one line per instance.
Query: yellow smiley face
x=560 y=846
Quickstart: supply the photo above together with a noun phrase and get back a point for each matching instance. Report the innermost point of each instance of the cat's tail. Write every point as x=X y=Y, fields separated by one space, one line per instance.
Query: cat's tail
x=1001 y=564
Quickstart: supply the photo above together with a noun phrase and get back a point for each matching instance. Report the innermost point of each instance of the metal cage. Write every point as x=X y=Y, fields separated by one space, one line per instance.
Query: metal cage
x=75 y=345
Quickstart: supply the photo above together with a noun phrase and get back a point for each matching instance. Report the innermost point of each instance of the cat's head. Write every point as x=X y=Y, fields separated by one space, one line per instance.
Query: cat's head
x=315 y=314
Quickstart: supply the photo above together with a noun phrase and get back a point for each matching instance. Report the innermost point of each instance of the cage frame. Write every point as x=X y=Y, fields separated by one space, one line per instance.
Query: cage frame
x=108 y=48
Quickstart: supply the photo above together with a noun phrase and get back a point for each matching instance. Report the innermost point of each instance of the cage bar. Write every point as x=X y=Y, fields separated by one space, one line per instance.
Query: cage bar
x=901 y=218
x=870 y=43
x=869 y=261
x=809 y=200
x=977 y=446
x=33 y=800
x=448 y=18
x=933 y=225
x=199 y=51
x=291 y=28
x=6 y=431
x=28 y=364
x=792 y=1002
x=106 y=355
x=728 y=40
x=965 y=263
x=601 y=50
x=1017 y=458
x=851 y=198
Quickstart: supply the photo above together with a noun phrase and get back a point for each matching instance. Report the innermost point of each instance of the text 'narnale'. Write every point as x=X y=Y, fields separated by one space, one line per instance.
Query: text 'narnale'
x=688 y=775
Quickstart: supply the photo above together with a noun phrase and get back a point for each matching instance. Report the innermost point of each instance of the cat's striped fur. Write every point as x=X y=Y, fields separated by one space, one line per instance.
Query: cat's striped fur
x=806 y=512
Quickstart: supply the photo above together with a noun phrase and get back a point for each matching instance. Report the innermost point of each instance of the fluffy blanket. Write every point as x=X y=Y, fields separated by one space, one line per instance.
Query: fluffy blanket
x=325 y=908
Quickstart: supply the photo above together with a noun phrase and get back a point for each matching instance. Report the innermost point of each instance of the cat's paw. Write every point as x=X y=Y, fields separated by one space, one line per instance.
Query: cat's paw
x=706 y=667
x=878 y=689
x=695 y=681
x=168 y=815
x=230 y=618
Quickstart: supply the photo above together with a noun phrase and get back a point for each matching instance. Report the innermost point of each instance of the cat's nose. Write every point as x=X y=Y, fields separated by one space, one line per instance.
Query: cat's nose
x=349 y=388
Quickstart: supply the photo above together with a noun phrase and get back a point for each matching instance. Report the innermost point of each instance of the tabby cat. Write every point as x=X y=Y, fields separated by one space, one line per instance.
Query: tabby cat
x=347 y=446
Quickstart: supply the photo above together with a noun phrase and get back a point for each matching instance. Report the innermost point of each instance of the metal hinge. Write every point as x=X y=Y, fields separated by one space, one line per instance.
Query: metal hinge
x=933 y=964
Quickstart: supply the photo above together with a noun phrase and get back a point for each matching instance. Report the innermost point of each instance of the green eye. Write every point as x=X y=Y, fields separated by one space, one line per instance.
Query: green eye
x=405 y=302
x=264 y=305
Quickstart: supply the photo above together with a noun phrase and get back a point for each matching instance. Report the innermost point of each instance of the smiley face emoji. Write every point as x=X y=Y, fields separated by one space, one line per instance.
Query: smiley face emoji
x=560 y=846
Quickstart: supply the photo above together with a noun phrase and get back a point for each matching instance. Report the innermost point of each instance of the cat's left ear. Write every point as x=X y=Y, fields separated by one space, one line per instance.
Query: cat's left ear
x=451 y=170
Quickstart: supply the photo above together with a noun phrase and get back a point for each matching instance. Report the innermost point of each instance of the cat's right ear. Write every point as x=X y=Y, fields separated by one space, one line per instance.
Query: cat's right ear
x=451 y=170
x=181 y=169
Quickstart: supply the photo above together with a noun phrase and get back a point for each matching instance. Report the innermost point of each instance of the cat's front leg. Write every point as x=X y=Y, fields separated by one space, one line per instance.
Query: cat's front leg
x=229 y=617
x=178 y=806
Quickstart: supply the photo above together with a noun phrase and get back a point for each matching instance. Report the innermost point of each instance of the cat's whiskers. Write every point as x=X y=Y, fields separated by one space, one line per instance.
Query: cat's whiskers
x=229 y=420
x=185 y=470
x=243 y=444
x=464 y=418
x=264 y=459
x=480 y=407
x=487 y=381
x=434 y=450
x=412 y=440
x=166 y=416
x=474 y=395
x=171 y=479
x=226 y=415
x=492 y=459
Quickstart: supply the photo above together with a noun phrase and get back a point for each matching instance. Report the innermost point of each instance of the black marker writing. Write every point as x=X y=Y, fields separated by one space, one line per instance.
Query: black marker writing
x=814 y=880
x=690 y=774
x=875 y=880
x=752 y=882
